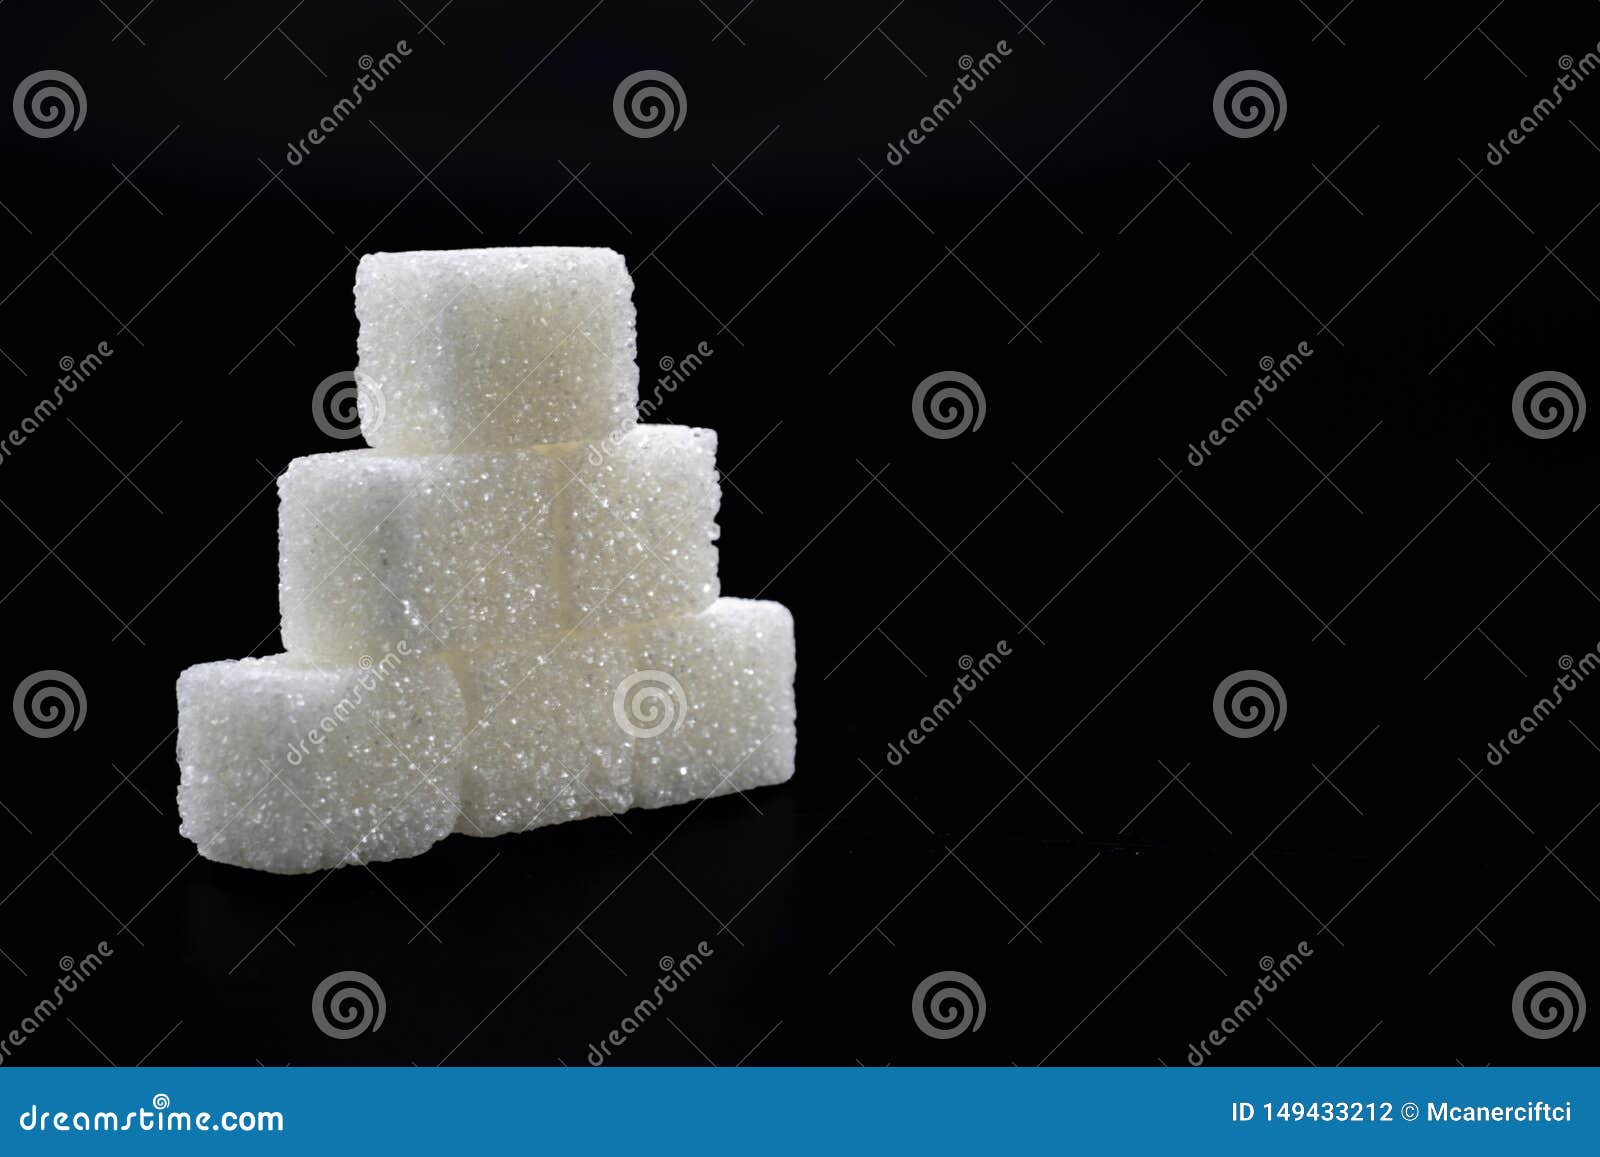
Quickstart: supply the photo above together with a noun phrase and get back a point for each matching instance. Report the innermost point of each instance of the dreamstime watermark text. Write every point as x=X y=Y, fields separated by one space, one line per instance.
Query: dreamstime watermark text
x=1574 y=672
x=160 y=1117
x=674 y=372
x=1274 y=974
x=372 y=675
x=74 y=372
x=1573 y=73
x=975 y=671
x=973 y=73
x=1273 y=374
x=74 y=973
x=373 y=72
x=673 y=974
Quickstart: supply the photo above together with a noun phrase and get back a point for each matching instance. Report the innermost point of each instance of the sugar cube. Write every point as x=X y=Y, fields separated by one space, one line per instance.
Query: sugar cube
x=543 y=748
x=734 y=727
x=689 y=708
x=288 y=766
x=640 y=527
x=492 y=349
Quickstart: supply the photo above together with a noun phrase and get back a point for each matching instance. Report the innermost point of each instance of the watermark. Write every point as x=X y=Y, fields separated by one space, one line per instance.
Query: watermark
x=161 y=1117
x=48 y=703
x=1573 y=73
x=348 y=1004
x=673 y=974
x=1576 y=672
x=74 y=372
x=976 y=671
x=649 y=703
x=1273 y=974
x=1249 y=103
x=1273 y=374
x=674 y=372
x=1248 y=703
x=1548 y=1004
x=649 y=103
x=948 y=404
x=371 y=676
x=345 y=406
x=948 y=1004
x=973 y=73
x=49 y=103
x=373 y=72
x=73 y=974
x=1548 y=404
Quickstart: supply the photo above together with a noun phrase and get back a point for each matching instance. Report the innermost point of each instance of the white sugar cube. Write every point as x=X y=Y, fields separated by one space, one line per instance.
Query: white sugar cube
x=693 y=707
x=642 y=520
x=495 y=551
x=489 y=349
x=734 y=728
x=443 y=552
x=291 y=767
x=544 y=748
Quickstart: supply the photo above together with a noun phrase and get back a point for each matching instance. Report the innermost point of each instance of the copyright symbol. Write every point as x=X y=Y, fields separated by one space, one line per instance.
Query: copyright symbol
x=1409 y=1110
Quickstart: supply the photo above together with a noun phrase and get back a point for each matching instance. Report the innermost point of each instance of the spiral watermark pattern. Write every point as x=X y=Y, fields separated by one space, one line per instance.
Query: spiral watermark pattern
x=1548 y=1004
x=1249 y=103
x=1548 y=404
x=649 y=103
x=948 y=404
x=343 y=406
x=649 y=703
x=48 y=703
x=948 y=1004
x=1248 y=703
x=348 y=1004
x=49 y=103
x=161 y=1101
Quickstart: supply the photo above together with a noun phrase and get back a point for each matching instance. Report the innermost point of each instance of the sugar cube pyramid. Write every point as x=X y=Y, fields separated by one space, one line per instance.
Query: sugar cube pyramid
x=503 y=615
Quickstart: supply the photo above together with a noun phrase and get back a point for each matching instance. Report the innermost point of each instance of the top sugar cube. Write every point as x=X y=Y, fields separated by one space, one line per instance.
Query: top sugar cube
x=494 y=349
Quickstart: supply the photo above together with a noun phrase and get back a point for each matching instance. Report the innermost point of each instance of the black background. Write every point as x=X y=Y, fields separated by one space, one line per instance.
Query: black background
x=1083 y=240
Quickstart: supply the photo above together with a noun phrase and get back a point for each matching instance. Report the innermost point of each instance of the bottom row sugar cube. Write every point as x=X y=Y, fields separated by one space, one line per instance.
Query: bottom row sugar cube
x=688 y=708
x=291 y=766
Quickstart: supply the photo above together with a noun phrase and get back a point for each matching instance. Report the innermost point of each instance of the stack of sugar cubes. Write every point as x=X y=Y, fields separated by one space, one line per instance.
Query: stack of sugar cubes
x=504 y=614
